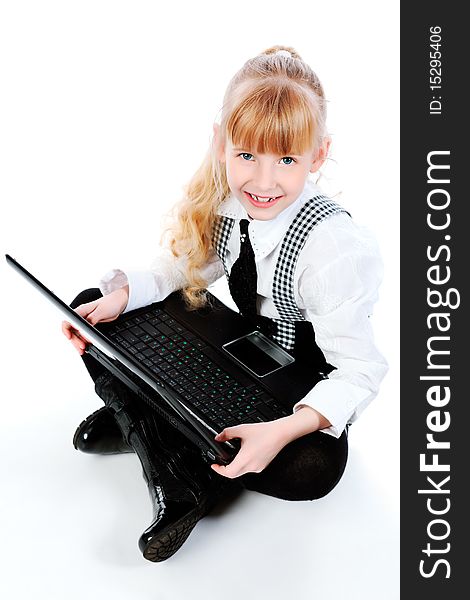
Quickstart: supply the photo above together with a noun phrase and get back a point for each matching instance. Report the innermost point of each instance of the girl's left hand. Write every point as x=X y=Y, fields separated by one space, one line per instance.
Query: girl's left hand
x=260 y=443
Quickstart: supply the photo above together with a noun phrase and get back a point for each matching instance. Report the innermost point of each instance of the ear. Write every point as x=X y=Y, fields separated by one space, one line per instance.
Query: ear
x=321 y=155
x=218 y=143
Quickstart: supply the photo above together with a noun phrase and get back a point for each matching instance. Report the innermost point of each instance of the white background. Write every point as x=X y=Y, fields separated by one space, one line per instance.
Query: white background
x=106 y=111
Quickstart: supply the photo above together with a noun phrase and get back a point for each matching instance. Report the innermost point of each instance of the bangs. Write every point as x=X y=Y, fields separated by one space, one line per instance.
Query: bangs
x=275 y=119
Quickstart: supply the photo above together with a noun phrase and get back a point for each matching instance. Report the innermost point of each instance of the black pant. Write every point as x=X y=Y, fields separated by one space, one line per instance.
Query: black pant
x=306 y=469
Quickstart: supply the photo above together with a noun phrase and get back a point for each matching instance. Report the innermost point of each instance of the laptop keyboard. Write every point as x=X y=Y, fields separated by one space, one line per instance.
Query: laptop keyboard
x=186 y=364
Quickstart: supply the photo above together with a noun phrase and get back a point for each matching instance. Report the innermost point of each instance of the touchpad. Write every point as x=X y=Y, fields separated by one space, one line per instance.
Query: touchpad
x=258 y=353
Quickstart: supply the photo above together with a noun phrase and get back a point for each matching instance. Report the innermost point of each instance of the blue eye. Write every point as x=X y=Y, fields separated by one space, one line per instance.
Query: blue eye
x=248 y=156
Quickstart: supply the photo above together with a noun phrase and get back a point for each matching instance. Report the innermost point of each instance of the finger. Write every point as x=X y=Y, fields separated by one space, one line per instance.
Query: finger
x=221 y=470
x=80 y=349
x=96 y=316
x=81 y=338
x=66 y=329
x=84 y=310
x=236 y=468
x=108 y=320
x=72 y=335
x=228 y=433
x=78 y=341
x=230 y=471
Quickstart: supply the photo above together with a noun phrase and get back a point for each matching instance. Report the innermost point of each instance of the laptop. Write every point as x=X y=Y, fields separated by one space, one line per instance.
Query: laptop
x=201 y=370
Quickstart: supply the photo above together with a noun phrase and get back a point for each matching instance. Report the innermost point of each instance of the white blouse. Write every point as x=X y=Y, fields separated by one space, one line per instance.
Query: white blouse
x=336 y=281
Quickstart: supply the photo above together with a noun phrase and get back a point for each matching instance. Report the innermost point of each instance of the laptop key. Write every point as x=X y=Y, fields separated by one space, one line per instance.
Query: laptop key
x=157 y=360
x=176 y=337
x=199 y=344
x=150 y=329
x=137 y=331
x=165 y=329
x=127 y=335
x=189 y=335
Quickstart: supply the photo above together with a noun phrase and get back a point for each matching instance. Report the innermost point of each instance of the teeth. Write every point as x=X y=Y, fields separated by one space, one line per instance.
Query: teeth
x=264 y=200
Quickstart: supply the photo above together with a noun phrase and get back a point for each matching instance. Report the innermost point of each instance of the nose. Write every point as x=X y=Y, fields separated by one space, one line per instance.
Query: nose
x=265 y=180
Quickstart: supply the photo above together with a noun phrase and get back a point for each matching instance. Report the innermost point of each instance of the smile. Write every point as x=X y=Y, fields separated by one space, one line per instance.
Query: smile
x=263 y=201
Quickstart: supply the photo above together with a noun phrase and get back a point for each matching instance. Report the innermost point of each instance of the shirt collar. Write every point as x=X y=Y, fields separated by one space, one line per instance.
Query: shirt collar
x=265 y=235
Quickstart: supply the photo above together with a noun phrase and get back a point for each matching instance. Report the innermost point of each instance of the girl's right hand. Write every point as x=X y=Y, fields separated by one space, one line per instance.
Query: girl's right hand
x=105 y=309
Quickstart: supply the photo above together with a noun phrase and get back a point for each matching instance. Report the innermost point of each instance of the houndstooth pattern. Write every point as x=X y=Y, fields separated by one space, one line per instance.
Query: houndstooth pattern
x=313 y=212
x=285 y=334
x=220 y=236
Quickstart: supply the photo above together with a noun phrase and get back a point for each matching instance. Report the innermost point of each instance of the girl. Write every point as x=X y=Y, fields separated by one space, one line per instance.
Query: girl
x=252 y=212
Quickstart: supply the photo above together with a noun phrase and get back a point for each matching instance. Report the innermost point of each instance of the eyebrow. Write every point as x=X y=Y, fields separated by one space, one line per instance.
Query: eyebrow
x=250 y=151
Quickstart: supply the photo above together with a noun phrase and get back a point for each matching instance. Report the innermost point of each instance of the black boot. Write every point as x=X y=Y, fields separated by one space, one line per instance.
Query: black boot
x=100 y=434
x=182 y=486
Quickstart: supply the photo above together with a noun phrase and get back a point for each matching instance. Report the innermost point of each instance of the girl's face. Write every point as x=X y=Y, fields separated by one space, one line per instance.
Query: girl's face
x=266 y=184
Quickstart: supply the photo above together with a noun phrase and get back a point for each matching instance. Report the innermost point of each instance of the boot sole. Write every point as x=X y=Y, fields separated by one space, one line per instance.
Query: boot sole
x=170 y=539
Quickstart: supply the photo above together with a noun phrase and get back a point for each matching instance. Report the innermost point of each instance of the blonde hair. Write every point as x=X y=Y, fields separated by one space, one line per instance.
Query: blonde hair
x=274 y=104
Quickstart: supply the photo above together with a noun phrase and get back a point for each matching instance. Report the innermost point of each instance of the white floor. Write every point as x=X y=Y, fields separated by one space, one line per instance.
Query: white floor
x=70 y=522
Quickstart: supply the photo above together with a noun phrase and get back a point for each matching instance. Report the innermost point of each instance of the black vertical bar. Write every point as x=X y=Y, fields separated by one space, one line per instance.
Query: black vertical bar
x=435 y=365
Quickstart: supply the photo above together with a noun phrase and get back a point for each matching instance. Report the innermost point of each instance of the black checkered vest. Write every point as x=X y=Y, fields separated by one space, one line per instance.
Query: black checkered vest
x=291 y=331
